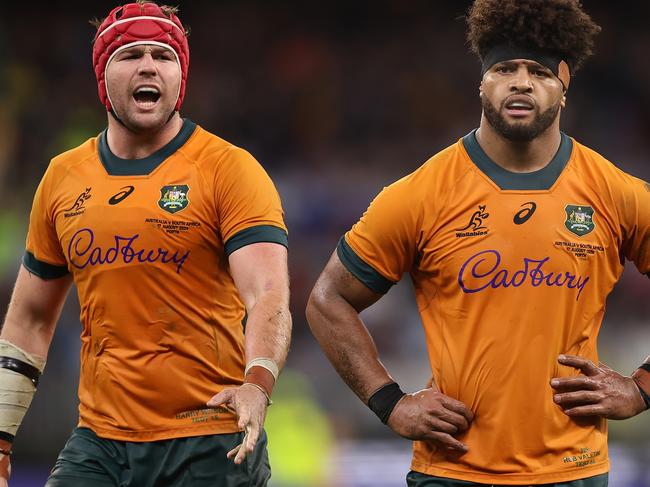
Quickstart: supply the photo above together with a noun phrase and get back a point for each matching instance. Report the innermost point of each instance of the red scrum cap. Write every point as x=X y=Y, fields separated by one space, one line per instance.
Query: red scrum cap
x=133 y=24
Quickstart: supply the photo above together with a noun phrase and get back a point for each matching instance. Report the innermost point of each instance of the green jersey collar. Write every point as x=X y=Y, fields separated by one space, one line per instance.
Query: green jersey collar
x=543 y=179
x=116 y=166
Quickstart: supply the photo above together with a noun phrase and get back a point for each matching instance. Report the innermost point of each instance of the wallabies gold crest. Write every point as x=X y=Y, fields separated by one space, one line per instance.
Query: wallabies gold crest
x=174 y=198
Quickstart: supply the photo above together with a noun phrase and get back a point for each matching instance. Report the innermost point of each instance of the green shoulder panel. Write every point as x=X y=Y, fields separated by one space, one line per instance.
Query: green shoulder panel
x=43 y=269
x=361 y=270
x=256 y=234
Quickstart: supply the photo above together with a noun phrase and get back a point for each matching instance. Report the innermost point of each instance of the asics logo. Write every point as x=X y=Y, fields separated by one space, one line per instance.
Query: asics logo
x=125 y=191
x=524 y=214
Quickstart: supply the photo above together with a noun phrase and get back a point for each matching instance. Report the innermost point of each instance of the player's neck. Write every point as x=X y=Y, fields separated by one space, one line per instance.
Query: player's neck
x=127 y=144
x=519 y=156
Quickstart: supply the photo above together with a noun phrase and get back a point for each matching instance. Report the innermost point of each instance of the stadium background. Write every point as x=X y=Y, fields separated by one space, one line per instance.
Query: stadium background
x=336 y=100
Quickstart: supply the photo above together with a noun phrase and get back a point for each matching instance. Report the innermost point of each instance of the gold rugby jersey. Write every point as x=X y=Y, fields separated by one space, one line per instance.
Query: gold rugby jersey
x=510 y=270
x=147 y=242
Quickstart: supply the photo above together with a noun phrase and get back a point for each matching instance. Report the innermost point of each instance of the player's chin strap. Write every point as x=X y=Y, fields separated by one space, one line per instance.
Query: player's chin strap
x=19 y=374
x=262 y=373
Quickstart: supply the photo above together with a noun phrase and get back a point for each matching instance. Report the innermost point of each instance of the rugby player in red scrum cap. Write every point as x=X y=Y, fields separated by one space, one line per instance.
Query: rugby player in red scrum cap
x=176 y=242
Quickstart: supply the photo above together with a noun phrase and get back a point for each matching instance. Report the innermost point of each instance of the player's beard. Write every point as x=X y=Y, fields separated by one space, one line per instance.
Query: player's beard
x=130 y=119
x=150 y=126
x=519 y=132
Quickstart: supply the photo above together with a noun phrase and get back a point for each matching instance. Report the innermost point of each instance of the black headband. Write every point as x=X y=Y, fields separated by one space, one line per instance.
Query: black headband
x=549 y=59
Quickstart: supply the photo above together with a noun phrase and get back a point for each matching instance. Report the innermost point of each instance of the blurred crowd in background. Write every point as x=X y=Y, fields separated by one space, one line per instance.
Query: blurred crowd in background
x=336 y=100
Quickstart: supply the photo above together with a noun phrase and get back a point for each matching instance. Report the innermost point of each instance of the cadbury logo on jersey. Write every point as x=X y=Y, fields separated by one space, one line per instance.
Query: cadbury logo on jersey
x=82 y=254
x=483 y=270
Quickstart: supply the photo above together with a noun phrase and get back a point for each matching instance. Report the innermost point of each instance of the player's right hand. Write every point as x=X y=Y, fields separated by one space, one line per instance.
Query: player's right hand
x=250 y=405
x=430 y=415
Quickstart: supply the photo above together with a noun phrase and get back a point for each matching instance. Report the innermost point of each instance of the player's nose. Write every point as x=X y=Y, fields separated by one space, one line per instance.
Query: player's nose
x=147 y=64
x=521 y=81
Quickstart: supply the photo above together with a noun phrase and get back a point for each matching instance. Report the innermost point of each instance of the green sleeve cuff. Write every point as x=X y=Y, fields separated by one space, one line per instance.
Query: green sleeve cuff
x=257 y=234
x=43 y=269
x=361 y=270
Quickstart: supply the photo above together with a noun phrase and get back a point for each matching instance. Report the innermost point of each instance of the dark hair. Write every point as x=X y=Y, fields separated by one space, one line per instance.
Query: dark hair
x=558 y=26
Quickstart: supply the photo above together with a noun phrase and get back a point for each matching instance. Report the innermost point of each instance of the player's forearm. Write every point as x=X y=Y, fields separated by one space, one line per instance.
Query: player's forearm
x=268 y=328
x=34 y=309
x=25 y=339
x=346 y=342
x=33 y=336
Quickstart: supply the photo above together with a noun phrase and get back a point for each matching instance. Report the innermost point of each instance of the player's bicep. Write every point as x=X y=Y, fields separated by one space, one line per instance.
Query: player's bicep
x=35 y=307
x=260 y=268
x=636 y=224
x=337 y=282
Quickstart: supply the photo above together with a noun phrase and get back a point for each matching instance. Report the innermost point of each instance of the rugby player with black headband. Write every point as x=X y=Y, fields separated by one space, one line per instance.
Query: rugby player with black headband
x=513 y=238
x=176 y=243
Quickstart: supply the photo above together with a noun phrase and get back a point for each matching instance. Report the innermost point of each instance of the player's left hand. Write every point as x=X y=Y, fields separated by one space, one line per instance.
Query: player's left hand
x=250 y=405
x=598 y=391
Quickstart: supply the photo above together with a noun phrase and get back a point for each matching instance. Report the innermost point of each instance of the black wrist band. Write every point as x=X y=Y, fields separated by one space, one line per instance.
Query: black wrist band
x=15 y=365
x=8 y=437
x=644 y=394
x=383 y=401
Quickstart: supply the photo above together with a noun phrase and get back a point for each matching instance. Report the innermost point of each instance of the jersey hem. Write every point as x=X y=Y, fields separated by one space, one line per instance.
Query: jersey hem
x=225 y=427
x=512 y=479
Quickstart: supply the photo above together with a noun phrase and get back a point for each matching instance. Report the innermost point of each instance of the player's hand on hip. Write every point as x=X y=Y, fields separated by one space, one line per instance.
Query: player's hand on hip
x=430 y=415
x=250 y=404
x=598 y=391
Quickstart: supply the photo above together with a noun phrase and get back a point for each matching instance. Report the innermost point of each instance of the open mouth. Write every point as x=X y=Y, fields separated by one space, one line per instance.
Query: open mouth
x=519 y=107
x=146 y=96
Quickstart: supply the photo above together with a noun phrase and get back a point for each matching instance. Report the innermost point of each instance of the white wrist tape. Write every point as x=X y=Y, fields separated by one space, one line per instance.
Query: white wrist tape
x=16 y=390
x=266 y=363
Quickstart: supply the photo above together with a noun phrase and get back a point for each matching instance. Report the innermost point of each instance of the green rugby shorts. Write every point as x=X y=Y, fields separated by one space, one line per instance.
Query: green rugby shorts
x=197 y=461
x=417 y=479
